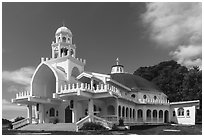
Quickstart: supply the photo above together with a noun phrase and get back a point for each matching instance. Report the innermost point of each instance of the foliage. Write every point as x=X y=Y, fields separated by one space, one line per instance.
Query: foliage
x=18 y=119
x=92 y=126
x=7 y=123
x=121 y=122
x=55 y=121
x=177 y=82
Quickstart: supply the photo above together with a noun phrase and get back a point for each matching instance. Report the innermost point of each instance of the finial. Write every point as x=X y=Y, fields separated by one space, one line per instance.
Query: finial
x=117 y=61
x=63 y=24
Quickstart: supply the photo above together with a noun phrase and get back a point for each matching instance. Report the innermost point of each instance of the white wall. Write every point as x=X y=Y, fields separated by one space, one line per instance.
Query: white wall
x=189 y=120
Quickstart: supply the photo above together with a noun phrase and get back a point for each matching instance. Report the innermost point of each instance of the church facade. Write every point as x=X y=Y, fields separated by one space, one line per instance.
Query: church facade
x=63 y=92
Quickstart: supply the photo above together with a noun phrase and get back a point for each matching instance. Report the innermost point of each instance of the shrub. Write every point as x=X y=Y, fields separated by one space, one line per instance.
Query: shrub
x=121 y=122
x=55 y=121
x=92 y=126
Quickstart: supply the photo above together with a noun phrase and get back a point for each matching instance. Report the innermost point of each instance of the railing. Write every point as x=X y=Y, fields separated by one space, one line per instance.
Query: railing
x=23 y=94
x=87 y=87
x=20 y=123
x=152 y=101
x=104 y=122
x=82 y=121
x=112 y=118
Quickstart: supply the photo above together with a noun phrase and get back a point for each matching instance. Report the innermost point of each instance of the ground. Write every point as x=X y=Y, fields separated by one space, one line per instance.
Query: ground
x=139 y=130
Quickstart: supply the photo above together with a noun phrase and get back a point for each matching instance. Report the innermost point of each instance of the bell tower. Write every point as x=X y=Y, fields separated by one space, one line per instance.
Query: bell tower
x=117 y=68
x=63 y=43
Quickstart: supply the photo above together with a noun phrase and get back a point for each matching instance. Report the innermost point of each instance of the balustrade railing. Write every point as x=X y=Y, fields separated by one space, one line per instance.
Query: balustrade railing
x=23 y=94
x=87 y=87
x=152 y=101
x=20 y=123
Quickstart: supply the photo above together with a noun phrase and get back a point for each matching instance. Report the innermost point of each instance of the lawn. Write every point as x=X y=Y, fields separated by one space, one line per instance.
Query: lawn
x=139 y=130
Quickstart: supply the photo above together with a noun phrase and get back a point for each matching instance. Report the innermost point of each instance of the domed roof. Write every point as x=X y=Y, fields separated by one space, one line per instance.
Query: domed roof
x=63 y=29
x=134 y=82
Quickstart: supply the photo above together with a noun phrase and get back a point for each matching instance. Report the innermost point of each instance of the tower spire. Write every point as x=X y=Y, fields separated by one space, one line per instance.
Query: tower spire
x=117 y=61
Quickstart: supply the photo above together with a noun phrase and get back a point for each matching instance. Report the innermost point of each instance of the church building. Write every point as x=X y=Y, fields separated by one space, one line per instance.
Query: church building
x=62 y=91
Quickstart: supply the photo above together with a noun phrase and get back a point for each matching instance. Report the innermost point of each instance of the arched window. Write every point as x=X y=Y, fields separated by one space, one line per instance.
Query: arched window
x=155 y=97
x=139 y=113
x=154 y=113
x=133 y=95
x=71 y=104
x=174 y=113
x=52 y=112
x=145 y=96
x=110 y=110
x=119 y=111
x=148 y=113
x=187 y=113
x=123 y=112
x=127 y=112
x=130 y=112
x=71 y=52
x=160 y=114
x=57 y=113
x=75 y=72
x=63 y=39
x=180 y=112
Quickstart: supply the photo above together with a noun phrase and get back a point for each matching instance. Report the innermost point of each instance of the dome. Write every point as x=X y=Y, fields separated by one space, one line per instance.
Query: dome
x=63 y=30
x=134 y=81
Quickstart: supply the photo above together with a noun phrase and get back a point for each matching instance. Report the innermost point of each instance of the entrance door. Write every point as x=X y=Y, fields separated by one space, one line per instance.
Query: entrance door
x=166 y=116
x=68 y=115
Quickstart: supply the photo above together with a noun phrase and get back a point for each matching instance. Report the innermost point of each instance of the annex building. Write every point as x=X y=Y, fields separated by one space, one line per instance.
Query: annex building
x=62 y=91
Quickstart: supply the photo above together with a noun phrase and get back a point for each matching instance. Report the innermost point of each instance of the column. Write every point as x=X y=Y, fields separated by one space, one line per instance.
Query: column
x=36 y=113
x=41 y=113
x=144 y=114
x=75 y=112
x=29 y=113
x=91 y=84
x=90 y=109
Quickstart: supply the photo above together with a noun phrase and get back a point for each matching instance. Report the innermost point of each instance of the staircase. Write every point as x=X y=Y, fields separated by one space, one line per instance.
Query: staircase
x=20 y=123
x=50 y=127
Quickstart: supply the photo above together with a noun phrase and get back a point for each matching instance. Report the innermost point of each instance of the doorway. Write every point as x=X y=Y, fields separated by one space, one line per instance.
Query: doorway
x=68 y=115
x=166 y=116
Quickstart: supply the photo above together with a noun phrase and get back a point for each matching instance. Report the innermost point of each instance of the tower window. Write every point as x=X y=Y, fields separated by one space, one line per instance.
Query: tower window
x=52 y=112
x=187 y=113
x=180 y=112
x=145 y=96
x=71 y=52
x=63 y=39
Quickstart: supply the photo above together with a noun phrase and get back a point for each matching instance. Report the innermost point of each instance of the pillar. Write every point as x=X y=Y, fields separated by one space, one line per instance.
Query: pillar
x=91 y=84
x=90 y=109
x=144 y=114
x=29 y=113
x=41 y=113
x=74 y=118
x=36 y=114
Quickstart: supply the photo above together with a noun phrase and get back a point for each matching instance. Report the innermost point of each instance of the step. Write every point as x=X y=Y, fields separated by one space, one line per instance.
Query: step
x=50 y=127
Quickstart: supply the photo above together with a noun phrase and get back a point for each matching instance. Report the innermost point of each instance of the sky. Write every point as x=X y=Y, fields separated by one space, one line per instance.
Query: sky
x=139 y=34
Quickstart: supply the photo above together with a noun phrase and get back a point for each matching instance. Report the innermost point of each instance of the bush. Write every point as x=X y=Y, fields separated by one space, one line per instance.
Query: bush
x=121 y=122
x=92 y=126
x=55 y=121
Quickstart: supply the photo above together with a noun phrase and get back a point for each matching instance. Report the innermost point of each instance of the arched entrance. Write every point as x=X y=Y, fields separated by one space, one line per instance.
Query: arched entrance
x=166 y=116
x=68 y=115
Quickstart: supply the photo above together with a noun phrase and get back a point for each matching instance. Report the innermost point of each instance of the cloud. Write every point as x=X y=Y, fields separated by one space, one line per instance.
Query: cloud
x=21 y=76
x=6 y=105
x=176 y=25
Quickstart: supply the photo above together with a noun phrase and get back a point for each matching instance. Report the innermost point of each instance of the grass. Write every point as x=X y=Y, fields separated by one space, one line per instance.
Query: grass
x=140 y=130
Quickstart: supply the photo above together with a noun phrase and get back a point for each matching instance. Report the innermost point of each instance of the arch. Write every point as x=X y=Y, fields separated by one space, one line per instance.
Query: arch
x=133 y=96
x=154 y=113
x=148 y=113
x=160 y=114
x=130 y=112
x=52 y=112
x=126 y=112
x=119 y=111
x=123 y=112
x=139 y=113
x=187 y=113
x=110 y=110
x=68 y=115
x=180 y=112
x=43 y=82
x=166 y=116
x=174 y=113
x=75 y=72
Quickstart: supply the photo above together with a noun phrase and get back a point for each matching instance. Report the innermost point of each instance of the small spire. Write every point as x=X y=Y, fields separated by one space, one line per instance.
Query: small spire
x=63 y=24
x=117 y=61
